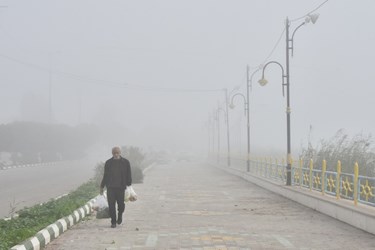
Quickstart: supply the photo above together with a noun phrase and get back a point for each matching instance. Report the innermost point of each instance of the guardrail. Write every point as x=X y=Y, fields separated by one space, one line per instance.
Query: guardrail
x=350 y=186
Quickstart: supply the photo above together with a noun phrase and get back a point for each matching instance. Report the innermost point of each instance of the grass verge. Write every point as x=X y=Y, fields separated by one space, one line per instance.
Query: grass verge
x=32 y=220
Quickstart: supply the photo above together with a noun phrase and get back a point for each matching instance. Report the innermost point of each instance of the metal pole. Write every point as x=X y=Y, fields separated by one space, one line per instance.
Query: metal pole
x=288 y=111
x=80 y=107
x=209 y=138
x=50 y=98
x=248 y=118
x=213 y=136
x=218 y=134
x=227 y=116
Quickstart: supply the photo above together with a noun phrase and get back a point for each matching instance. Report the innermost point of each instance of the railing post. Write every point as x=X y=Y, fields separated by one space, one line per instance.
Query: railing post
x=338 y=180
x=324 y=168
x=264 y=163
x=355 y=184
x=253 y=164
x=275 y=172
x=311 y=172
x=270 y=170
x=283 y=169
x=292 y=170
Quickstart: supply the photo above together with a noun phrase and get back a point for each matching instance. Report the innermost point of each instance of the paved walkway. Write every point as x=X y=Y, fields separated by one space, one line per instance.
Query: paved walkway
x=194 y=206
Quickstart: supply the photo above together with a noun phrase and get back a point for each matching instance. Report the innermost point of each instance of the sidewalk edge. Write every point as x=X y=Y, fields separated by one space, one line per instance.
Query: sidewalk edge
x=357 y=216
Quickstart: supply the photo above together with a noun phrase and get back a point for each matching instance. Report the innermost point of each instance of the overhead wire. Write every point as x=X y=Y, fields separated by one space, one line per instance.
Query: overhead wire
x=143 y=87
x=270 y=53
x=319 y=6
x=274 y=47
x=281 y=35
x=105 y=82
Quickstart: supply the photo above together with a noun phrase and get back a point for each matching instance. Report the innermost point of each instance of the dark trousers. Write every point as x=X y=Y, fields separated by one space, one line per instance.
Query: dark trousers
x=115 y=195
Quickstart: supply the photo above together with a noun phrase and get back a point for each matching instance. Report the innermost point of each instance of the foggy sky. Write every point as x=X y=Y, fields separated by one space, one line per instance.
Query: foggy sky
x=187 y=45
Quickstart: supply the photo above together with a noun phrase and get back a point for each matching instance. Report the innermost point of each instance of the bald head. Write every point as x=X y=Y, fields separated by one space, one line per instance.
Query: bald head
x=116 y=152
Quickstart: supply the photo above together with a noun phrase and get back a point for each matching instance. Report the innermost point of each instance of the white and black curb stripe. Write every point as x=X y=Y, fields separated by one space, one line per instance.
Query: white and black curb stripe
x=51 y=232
x=148 y=168
x=51 y=163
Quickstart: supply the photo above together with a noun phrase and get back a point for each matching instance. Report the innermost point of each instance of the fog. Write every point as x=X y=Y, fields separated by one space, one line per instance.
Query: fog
x=151 y=73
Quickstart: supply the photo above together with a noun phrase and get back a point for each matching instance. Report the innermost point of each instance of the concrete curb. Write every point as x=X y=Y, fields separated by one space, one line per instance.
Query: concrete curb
x=360 y=216
x=51 y=232
x=149 y=167
x=29 y=165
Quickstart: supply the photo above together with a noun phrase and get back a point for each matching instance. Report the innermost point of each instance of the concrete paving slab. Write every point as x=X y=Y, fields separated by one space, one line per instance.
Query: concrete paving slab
x=195 y=206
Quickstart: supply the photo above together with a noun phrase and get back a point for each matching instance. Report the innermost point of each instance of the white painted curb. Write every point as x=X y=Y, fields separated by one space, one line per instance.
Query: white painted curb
x=51 y=232
x=149 y=167
x=32 y=165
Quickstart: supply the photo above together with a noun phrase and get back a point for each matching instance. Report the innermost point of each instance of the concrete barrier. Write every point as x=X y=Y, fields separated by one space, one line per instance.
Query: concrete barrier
x=360 y=216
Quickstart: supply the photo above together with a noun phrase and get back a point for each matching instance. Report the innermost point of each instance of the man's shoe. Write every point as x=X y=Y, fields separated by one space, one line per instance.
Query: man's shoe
x=113 y=225
x=119 y=218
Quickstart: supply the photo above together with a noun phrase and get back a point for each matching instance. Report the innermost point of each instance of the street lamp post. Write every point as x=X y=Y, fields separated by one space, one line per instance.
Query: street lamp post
x=208 y=126
x=286 y=83
x=247 y=109
x=217 y=119
x=227 y=122
x=212 y=121
x=247 y=114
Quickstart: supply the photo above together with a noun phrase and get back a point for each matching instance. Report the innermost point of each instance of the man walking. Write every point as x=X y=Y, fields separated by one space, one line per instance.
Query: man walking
x=117 y=175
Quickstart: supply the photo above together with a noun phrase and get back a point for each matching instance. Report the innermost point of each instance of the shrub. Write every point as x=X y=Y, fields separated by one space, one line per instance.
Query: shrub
x=347 y=150
x=136 y=158
x=33 y=219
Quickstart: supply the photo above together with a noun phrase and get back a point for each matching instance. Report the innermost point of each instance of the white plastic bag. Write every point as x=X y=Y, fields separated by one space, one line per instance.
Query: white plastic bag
x=101 y=207
x=100 y=203
x=127 y=194
x=130 y=194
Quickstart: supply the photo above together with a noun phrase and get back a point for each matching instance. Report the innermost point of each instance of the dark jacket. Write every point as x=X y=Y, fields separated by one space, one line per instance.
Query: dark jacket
x=126 y=176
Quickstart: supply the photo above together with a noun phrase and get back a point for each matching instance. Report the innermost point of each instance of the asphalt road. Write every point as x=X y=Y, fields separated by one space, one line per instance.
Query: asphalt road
x=28 y=186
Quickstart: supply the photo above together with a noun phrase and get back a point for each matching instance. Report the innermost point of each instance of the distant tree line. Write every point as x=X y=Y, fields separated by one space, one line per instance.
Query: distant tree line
x=32 y=142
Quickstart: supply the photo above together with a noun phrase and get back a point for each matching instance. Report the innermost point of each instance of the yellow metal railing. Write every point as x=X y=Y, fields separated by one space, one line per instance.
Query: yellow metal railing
x=352 y=186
